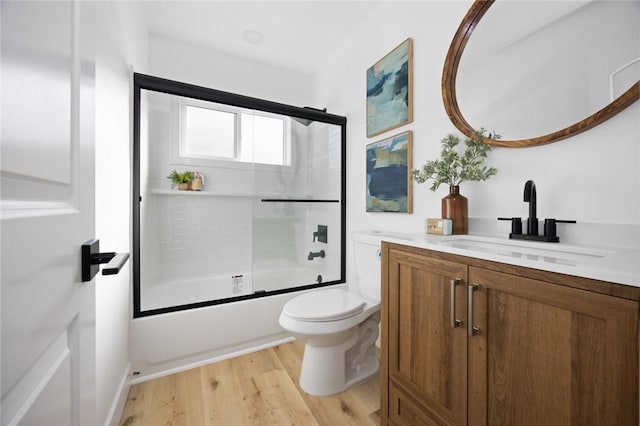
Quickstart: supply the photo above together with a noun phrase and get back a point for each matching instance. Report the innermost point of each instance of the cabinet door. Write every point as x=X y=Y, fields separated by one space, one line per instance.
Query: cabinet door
x=550 y=355
x=426 y=355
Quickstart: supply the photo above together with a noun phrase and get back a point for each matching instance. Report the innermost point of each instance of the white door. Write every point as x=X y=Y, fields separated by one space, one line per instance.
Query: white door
x=47 y=207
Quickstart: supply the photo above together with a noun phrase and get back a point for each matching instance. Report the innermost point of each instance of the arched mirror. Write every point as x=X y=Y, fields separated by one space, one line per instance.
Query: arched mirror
x=539 y=72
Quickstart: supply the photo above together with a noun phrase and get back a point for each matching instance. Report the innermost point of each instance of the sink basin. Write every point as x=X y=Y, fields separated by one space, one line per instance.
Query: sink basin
x=535 y=251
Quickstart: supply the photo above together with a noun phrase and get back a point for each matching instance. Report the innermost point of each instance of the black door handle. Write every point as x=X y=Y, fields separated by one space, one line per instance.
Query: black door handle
x=92 y=259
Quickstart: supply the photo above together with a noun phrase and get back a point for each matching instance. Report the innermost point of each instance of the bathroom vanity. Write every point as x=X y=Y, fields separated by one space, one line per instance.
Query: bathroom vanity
x=483 y=332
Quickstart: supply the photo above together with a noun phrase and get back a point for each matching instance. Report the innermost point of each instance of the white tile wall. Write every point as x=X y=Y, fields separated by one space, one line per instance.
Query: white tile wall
x=199 y=234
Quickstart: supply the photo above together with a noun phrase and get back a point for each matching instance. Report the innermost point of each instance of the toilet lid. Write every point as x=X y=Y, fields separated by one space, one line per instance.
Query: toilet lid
x=324 y=305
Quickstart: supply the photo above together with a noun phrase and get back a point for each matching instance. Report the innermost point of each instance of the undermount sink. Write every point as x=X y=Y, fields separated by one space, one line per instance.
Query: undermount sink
x=542 y=252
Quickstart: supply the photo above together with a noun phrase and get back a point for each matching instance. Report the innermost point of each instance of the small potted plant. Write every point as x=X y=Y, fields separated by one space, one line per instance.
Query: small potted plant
x=454 y=167
x=181 y=180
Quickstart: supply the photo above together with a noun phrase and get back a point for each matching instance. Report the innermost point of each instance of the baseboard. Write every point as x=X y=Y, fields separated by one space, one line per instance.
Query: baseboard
x=147 y=377
x=119 y=399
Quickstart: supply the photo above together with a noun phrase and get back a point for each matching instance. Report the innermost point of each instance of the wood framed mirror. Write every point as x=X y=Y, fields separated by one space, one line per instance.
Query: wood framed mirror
x=470 y=84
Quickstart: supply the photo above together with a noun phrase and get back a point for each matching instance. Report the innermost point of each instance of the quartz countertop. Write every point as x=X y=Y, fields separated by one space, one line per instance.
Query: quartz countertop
x=607 y=263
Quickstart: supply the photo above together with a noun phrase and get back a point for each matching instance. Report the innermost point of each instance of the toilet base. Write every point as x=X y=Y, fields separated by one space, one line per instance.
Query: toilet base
x=328 y=370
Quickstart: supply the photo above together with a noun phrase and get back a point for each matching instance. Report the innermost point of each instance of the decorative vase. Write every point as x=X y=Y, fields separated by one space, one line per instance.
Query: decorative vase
x=454 y=207
x=183 y=186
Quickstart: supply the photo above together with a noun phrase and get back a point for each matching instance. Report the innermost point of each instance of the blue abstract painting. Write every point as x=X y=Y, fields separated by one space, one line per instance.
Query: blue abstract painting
x=389 y=184
x=389 y=90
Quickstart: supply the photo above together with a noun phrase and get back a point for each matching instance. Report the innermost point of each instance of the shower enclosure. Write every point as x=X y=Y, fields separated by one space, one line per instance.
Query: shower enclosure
x=269 y=217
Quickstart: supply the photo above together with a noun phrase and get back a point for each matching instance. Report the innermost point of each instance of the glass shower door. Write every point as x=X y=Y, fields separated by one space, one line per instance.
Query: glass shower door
x=297 y=222
x=267 y=214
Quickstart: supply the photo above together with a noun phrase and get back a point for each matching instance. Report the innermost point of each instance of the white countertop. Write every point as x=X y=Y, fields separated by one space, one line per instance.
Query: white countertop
x=614 y=264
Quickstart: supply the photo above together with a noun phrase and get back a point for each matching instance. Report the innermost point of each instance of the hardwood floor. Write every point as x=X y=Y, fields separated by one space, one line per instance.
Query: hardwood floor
x=260 y=388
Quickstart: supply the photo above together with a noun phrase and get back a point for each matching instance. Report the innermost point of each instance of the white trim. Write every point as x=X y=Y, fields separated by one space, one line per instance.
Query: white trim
x=12 y=209
x=120 y=399
x=612 y=97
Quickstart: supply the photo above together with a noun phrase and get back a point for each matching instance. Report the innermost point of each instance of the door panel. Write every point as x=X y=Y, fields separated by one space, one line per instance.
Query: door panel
x=428 y=355
x=43 y=395
x=546 y=352
x=47 y=212
x=37 y=53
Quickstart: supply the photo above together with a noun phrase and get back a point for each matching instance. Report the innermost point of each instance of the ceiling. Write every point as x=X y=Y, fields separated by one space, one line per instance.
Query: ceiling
x=298 y=35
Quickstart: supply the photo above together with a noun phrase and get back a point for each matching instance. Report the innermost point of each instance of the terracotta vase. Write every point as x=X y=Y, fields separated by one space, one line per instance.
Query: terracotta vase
x=454 y=207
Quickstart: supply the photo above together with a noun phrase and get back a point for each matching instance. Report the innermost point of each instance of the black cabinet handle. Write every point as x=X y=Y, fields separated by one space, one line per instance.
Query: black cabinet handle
x=92 y=258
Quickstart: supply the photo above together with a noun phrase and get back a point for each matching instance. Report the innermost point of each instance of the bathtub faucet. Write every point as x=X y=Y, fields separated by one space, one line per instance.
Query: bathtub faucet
x=313 y=255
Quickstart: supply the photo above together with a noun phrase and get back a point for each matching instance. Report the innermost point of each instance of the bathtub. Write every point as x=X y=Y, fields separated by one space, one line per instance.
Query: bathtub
x=176 y=341
x=222 y=286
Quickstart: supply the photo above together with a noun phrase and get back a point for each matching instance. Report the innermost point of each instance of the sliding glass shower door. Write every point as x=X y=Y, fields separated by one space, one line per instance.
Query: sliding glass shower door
x=297 y=220
x=264 y=211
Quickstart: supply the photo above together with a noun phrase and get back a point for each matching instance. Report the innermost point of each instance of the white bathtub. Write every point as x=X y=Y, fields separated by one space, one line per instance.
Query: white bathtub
x=176 y=341
x=223 y=286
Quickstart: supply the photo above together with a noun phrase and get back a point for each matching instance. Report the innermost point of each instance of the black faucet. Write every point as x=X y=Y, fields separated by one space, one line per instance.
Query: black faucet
x=531 y=198
x=313 y=255
x=549 y=235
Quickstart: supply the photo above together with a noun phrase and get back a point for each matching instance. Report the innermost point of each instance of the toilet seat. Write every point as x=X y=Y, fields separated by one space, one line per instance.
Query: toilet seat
x=324 y=305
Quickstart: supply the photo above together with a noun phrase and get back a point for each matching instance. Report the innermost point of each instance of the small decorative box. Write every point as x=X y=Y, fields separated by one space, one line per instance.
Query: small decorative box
x=439 y=226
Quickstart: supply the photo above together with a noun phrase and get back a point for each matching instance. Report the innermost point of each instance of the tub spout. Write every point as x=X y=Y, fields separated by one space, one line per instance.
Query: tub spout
x=313 y=255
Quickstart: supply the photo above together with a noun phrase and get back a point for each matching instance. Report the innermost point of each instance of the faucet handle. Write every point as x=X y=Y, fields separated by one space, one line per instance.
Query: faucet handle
x=516 y=224
x=550 y=226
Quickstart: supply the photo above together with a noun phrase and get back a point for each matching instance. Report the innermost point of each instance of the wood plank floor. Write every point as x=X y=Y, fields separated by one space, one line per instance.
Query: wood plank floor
x=260 y=388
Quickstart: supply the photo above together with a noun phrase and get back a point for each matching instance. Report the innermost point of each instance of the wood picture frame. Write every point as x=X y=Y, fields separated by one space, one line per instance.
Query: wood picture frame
x=390 y=90
x=389 y=179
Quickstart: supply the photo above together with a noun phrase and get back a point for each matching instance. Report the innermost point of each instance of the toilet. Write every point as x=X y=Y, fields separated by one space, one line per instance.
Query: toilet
x=339 y=327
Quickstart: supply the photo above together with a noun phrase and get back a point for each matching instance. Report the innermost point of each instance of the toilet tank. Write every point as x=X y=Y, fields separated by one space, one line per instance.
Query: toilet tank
x=366 y=254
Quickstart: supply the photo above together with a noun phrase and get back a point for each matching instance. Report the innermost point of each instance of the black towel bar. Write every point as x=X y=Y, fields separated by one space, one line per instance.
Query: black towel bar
x=296 y=200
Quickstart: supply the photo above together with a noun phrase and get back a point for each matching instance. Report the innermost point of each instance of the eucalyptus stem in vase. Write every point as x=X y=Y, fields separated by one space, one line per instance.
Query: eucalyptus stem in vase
x=454 y=167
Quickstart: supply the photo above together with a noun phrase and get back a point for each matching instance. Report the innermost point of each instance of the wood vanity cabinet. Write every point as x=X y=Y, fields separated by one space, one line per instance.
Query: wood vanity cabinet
x=536 y=348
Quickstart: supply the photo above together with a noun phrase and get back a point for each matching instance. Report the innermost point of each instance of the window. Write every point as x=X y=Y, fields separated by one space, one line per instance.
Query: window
x=219 y=132
x=209 y=133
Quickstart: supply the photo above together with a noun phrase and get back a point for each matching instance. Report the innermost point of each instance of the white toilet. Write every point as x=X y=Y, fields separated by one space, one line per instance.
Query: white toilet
x=339 y=327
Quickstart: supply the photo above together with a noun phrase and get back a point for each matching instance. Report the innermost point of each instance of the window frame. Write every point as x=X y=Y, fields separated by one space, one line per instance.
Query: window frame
x=180 y=157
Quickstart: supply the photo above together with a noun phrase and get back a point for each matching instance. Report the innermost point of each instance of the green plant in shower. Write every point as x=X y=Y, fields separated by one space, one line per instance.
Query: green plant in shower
x=454 y=167
x=178 y=178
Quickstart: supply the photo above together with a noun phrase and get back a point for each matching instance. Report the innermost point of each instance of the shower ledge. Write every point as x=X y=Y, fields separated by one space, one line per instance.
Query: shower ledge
x=227 y=194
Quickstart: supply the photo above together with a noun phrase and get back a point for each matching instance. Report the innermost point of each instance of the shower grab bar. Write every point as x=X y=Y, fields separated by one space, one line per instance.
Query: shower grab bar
x=296 y=200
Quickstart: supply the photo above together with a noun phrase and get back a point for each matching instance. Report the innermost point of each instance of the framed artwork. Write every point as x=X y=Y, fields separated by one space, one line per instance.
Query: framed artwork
x=389 y=181
x=390 y=90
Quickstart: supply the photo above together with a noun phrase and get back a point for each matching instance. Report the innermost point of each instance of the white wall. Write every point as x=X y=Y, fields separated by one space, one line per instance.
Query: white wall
x=592 y=177
x=119 y=44
x=176 y=60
